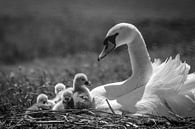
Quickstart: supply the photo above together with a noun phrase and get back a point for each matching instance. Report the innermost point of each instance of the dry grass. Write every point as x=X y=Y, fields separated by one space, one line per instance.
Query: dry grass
x=92 y=119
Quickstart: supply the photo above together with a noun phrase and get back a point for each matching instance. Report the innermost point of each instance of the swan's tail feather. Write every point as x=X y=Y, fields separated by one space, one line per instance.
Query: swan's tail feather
x=157 y=62
x=167 y=83
x=169 y=75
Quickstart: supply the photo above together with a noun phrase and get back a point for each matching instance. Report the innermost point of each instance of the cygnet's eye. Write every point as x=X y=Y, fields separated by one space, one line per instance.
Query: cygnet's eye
x=67 y=98
x=82 y=79
x=44 y=102
x=84 y=97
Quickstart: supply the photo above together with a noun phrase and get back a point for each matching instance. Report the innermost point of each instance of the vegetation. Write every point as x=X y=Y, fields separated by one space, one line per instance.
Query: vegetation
x=20 y=86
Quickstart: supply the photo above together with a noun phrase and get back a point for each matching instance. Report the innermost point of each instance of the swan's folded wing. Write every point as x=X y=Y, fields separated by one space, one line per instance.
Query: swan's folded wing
x=157 y=62
x=189 y=84
x=170 y=75
x=162 y=91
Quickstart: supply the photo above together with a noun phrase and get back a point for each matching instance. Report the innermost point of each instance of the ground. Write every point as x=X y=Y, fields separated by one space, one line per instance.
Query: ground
x=21 y=83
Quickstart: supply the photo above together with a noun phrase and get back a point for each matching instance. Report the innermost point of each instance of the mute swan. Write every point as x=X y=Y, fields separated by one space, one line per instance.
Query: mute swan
x=152 y=88
x=82 y=98
x=66 y=101
x=80 y=79
x=41 y=104
x=59 y=87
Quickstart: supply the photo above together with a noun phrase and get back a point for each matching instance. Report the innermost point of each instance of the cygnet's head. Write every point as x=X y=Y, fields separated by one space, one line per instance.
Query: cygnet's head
x=120 y=34
x=42 y=99
x=59 y=87
x=81 y=79
x=67 y=96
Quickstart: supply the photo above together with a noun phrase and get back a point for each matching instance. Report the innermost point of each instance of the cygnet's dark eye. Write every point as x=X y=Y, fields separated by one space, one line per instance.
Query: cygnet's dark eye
x=83 y=79
x=44 y=102
x=67 y=98
x=84 y=97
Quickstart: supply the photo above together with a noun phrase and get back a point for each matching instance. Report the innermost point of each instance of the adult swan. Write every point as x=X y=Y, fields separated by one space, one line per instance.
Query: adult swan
x=154 y=88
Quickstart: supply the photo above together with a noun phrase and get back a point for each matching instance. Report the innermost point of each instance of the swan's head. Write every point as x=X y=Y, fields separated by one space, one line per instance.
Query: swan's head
x=67 y=96
x=59 y=87
x=42 y=99
x=120 y=34
x=81 y=79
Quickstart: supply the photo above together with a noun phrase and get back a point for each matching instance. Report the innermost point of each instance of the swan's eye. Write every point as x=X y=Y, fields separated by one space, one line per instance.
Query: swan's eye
x=111 y=39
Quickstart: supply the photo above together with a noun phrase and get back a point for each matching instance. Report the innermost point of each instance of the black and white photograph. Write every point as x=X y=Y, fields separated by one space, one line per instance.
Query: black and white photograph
x=97 y=64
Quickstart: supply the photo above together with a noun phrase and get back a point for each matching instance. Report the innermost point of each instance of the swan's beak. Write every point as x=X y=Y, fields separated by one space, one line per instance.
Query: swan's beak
x=108 y=48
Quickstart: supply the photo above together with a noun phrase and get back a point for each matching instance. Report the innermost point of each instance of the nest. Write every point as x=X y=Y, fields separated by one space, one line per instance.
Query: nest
x=91 y=119
x=21 y=91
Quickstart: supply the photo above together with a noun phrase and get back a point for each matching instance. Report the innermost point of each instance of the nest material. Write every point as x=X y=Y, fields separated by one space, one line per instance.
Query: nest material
x=21 y=91
x=91 y=119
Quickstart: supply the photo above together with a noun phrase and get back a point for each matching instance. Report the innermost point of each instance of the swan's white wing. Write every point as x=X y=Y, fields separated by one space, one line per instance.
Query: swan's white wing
x=162 y=91
x=109 y=91
x=157 y=62
x=169 y=75
x=189 y=84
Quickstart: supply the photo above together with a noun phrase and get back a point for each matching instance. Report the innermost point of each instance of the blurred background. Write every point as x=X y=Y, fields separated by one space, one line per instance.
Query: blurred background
x=32 y=29
x=42 y=28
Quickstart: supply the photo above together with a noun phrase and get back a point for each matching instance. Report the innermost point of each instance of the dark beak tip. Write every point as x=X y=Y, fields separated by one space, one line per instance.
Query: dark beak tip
x=88 y=83
x=98 y=59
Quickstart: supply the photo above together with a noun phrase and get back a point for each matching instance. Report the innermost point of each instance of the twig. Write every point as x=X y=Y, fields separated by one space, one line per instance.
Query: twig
x=176 y=115
x=132 y=124
x=110 y=107
x=48 y=122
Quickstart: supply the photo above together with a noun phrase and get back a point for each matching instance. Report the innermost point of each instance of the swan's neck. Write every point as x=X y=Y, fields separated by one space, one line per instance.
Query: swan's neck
x=76 y=86
x=141 y=70
x=140 y=61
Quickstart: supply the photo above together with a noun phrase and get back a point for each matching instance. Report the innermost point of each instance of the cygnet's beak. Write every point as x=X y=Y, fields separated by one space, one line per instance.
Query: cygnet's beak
x=109 y=46
x=58 y=91
x=88 y=83
x=67 y=99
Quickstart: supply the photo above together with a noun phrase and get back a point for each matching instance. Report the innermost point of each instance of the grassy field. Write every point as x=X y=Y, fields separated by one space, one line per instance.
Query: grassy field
x=20 y=84
x=40 y=76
